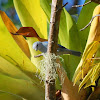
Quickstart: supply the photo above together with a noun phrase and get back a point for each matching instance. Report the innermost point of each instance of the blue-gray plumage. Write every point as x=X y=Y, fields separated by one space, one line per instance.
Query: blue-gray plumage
x=42 y=46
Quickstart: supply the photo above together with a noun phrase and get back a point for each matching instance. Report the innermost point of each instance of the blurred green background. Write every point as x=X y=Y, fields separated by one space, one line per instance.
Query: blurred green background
x=8 y=7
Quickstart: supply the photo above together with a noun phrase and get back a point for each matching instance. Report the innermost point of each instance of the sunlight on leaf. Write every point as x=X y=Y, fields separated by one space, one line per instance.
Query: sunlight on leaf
x=94 y=34
x=11 y=70
x=73 y=39
x=11 y=51
x=16 y=69
x=92 y=76
x=11 y=28
x=87 y=61
x=32 y=15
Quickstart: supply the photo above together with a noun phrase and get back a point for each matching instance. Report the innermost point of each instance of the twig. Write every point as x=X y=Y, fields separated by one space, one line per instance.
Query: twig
x=82 y=5
x=38 y=55
x=52 y=46
x=89 y=22
x=64 y=5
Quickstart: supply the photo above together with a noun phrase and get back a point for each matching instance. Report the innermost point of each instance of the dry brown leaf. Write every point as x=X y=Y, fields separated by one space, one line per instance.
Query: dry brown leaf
x=12 y=29
x=29 y=32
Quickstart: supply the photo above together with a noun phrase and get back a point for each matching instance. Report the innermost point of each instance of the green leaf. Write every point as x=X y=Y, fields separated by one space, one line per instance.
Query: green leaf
x=11 y=51
x=91 y=76
x=73 y=40
x=32 y=15
x=20 y=87
x=86 y=62
x=91 y=49
x=17 y=73
x=11 y=70
x=12 y=29
x=84 y=18
x=9 y=96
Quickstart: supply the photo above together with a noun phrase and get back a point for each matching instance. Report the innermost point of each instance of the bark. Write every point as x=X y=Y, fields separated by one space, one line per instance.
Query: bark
x=52 y=45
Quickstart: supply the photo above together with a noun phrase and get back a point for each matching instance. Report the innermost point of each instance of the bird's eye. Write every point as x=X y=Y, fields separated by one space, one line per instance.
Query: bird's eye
x=37 y=46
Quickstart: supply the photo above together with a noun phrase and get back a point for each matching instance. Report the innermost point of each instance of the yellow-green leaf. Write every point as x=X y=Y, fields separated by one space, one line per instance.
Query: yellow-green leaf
x=83 y=21
x=12 y=29
x=20 y=87
x=11 y=70
x=9 y=96
x=13 y=53
x=92 y=46
x=32 y=15
x=86 y=62
x=91 y=76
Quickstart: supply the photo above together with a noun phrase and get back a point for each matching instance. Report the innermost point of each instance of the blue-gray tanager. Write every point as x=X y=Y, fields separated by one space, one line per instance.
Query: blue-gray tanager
x=42 y=46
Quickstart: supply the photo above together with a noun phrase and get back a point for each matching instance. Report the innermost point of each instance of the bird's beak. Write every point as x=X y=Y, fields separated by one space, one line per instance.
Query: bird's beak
x=35 y=49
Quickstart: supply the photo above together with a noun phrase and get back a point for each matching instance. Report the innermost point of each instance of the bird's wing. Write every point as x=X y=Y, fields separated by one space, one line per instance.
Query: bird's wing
x=61 y=47
x=58 y=46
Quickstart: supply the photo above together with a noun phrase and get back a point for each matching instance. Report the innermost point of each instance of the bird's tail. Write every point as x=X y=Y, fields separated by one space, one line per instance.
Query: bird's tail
x=76 y=53
x=67 y=51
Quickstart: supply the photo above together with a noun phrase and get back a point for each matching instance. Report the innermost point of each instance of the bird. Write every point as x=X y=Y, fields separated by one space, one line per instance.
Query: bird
x=42 y=46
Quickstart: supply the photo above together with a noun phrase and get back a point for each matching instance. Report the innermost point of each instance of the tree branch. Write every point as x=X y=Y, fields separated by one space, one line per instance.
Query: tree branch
x=52 y=45
x=89 y=22
x=82 y=5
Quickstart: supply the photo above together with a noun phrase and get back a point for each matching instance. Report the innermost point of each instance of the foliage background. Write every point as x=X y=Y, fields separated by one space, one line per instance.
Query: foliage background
x=8 y=7
x=70 y=30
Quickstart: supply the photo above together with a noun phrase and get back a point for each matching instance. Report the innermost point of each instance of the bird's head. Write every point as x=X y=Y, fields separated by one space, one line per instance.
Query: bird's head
x=36 y=45
x=41 y=46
